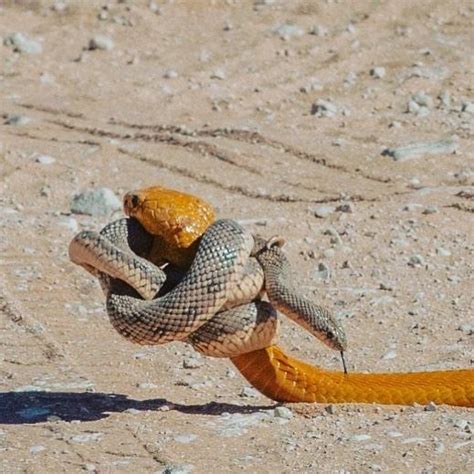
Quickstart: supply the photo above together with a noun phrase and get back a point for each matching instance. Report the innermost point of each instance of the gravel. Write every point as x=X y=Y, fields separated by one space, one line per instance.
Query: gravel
x=95 y=202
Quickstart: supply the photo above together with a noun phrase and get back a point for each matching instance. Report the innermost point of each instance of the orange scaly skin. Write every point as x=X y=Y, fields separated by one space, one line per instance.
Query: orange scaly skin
x=178 y=220
x=285 y=379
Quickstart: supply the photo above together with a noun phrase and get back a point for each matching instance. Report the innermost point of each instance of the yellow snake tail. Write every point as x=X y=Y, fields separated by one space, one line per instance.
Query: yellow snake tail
x=286 y=379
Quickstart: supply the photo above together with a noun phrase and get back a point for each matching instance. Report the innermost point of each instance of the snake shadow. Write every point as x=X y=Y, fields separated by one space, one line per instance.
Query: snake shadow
x=19 y=408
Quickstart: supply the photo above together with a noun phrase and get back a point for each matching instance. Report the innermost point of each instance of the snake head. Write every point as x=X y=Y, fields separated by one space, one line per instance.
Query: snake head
x=179 y=219
x=335 y=336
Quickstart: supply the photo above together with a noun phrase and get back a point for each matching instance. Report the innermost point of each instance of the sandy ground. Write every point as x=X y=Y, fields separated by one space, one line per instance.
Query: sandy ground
x=205 y=97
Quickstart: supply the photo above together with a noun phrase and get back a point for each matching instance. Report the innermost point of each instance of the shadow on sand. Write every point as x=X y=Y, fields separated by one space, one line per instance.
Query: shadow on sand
x=39 y=407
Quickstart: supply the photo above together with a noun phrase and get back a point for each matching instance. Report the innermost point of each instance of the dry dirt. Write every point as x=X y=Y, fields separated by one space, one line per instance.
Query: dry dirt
x=204 y=97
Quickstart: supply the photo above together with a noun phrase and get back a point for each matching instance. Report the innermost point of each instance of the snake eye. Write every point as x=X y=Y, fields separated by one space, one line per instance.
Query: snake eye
x=133 y=200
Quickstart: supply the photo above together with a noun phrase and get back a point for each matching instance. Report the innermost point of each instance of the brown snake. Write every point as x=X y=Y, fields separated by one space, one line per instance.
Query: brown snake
x=215 y=306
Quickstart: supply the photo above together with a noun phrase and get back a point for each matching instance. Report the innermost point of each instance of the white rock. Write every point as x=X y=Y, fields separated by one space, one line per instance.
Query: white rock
x=287 y=31
x=87 y=438
x=378 y=72
x=101 y=42
x=95 y=202
x=37 y=449
x=283 y=412
x=361 y=437
x=45 y=159
x=170 y=74
x=249 y=392
x=389 y=355
x=218 y=74
x=22 y=44
x=443 y=252
x=185 y=438
x=323 y=211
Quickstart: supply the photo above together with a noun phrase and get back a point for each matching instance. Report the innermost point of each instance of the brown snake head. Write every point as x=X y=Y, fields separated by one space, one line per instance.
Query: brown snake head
x=177 y=219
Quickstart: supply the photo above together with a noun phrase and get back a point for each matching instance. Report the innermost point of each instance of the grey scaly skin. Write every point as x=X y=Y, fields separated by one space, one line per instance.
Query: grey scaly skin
x=316 y=319
x=216 y=306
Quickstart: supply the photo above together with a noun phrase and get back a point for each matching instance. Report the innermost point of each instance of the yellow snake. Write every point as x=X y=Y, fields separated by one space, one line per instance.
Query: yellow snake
x=178 y=220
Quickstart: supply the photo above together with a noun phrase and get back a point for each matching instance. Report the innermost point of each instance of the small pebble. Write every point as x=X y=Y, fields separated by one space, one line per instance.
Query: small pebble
x=323 y=211
x=147 y=386
x=445 y=99
x=319 y=30
x=430 y=210
x=361 y=437
x=87 y=438
x=413 y=107
x=378 y=72
x=467 y=329
x=389 y=355
x=323 y=272
x=249 y=392
x=415 y=150
x=423 y=99
x=283 y=412
x=101 y=42
x=442 y=252
x=192 y=363
x=69 y=223
x=185 y=438
x=462 y=424
x=468 y=107
x=17 y=120
x=287 y=31
x=22 y=44
x=178 y=469
x=329 y=253
x=416 y=260
x=330 y=409
x=346 y=207
x=45 y=159
x=324 y=108
x=154 y=7
x=170 y=74
x=218 y=74
x=431 y=406
x=95 y=202
x=37 y=449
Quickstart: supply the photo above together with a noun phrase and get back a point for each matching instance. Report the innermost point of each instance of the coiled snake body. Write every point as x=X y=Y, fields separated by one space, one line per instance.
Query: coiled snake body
x=216 y=306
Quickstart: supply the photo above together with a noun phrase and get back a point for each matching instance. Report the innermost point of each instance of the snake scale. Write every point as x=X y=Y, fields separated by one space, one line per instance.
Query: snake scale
x=235 y=323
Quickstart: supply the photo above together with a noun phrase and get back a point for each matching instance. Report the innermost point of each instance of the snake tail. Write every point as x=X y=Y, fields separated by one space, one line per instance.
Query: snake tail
x=286 y=379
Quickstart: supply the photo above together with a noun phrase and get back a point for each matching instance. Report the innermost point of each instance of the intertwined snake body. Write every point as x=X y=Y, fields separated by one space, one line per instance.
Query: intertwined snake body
x=246 y=332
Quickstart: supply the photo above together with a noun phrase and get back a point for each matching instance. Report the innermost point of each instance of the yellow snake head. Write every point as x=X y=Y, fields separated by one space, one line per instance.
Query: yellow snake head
x=177 y=219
